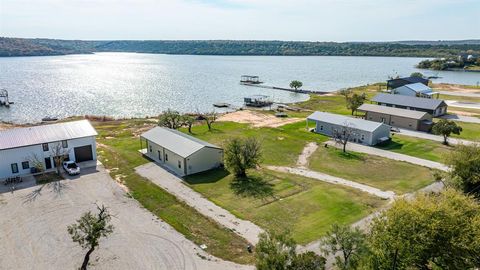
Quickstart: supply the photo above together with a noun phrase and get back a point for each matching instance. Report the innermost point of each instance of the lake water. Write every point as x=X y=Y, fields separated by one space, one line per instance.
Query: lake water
x=134 y=85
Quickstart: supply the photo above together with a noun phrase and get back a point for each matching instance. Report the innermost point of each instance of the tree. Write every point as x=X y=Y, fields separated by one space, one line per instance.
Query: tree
x=276 y=251
x=446 y=127
x=345 y=92
x=188 y=121
x=344 y=134
x=417 y=74
x=241 y=155
x=432 y=231
x=59 y=153
x=296 y=84
x=89 y=229
x=464 y=163
x=170 y=119
x=210 y=118
x=355 y=101
x=350 y=243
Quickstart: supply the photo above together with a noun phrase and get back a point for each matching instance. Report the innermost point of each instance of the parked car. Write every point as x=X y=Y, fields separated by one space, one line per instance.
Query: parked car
x=71 y=167
x=394 y=129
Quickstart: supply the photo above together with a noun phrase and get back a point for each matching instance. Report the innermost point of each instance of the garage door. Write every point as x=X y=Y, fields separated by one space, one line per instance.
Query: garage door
x=83 y=153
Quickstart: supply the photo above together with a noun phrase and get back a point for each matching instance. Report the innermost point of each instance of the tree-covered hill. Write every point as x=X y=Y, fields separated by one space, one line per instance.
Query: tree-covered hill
x=29 y=47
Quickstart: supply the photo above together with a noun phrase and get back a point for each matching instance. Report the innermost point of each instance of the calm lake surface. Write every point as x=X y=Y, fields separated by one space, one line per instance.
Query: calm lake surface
x=134 y=85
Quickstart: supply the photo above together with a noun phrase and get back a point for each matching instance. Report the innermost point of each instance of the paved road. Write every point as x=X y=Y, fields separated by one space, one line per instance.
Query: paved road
x=462 y=94
x=429 y=136
x=175 y=186
x=33 y=233
x=392 y=155
x=462 y=118
x=463 y=104
x=334 y=180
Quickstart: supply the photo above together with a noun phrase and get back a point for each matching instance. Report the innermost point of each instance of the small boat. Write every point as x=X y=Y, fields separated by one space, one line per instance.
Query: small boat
x=221 y=105
x=49 y=119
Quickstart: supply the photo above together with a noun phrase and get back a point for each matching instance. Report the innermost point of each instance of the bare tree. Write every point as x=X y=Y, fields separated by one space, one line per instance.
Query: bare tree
x=345 y=92
x=36 y=162
x=344 y=134
x=210 y=118
x=59 y=152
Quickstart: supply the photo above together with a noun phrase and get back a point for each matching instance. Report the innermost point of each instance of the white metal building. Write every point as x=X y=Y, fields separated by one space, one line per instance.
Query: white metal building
x=364 y=131
x=415 y=90
x=179 y=152
x=20 y=147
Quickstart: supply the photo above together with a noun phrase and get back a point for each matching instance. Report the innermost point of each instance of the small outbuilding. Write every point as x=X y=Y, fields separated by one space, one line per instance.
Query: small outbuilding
x=23 y=150
x=362 y=131
x=179 y=152
x=415 y=90
x=402 y=118
x=435 y=107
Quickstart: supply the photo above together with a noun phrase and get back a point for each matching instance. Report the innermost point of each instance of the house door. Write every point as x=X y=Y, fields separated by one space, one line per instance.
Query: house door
x=48 y=163
x=83 y=153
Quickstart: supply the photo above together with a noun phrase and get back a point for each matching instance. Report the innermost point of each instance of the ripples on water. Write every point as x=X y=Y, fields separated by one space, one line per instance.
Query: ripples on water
x=134 y=85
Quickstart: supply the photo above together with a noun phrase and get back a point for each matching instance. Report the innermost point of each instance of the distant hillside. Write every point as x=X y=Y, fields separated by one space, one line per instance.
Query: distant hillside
x=30 y=47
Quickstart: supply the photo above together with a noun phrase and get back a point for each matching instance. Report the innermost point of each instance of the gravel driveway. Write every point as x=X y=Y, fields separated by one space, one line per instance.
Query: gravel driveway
x=33 y=233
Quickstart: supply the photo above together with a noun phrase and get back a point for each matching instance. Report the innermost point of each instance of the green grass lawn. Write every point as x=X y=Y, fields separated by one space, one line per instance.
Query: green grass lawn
x=305 y=207
x=118 y=151
x=460 y=98
x=417 y=147
x=280 y=146
x=386 y=174
x=470 y=131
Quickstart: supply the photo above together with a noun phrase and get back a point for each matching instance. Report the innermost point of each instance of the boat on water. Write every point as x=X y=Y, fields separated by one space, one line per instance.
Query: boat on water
x=49 y=119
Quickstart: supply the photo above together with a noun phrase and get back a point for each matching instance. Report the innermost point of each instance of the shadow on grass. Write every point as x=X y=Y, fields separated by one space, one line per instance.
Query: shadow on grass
x=251 y=186
x=350 y=155
x=211 y=176
x=391 y=145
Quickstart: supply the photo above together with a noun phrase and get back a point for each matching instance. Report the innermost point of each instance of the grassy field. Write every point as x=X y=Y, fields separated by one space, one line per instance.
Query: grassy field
x=386 y=174
x=417 y=147
x=471 y=131
x=460 y=98
x=118 y=151
x=281 y=146
x=305 y=207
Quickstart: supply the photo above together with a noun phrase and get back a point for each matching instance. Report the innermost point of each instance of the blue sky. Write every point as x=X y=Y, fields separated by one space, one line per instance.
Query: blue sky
x=314 y=20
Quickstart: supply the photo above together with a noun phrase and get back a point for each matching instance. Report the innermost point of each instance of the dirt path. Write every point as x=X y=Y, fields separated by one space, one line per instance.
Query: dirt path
x=334 y=180
x=308 y=150
x=455 y=89
x=34 y=233
x=257 y=119
x=175 y=186
x=392 y=155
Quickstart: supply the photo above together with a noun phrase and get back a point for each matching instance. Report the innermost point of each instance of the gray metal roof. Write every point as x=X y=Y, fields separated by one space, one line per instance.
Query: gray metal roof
x=415 y=102
x=418 y=88
x=392 y=111
x=182 y=144
x=341 y=120
x=18 y=137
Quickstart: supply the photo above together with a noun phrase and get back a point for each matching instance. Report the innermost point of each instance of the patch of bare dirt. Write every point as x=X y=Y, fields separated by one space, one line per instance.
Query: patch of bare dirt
x=463 y=113
x=257 y=119
x=455 y=88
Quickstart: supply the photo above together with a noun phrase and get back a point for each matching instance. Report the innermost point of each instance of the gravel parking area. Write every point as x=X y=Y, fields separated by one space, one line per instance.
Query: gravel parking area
x=33 y=232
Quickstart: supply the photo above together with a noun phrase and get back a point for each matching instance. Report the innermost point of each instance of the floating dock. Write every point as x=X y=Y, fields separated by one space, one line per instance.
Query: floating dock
x=300 y=91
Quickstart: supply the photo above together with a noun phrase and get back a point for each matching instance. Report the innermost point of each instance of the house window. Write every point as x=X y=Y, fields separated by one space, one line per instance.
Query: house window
x=65 y=144
x=25 y=165
x=363 y=137
x=179 y=164
x=166 y=157
x=321 y=127
x=159 y=155
x=150 y=147
x=45 y=147
x=14 y=167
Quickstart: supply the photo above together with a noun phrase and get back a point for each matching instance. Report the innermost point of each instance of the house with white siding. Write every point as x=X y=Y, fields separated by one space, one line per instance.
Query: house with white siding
x=362 y=131
x=415 y=90
x=179 y=152
x=22 y=150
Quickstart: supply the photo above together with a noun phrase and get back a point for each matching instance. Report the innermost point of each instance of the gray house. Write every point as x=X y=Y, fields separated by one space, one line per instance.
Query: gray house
x=415 y=90
x=435 y=107
x=364 y=132
x=402 y=118
x=179 y=152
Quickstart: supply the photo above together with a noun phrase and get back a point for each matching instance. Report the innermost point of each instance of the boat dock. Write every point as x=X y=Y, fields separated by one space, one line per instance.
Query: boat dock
x=300 y=91
x=4 y=101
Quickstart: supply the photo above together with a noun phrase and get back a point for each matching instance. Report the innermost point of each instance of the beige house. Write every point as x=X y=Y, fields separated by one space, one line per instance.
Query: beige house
x=401 y=118
x=179 y=152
